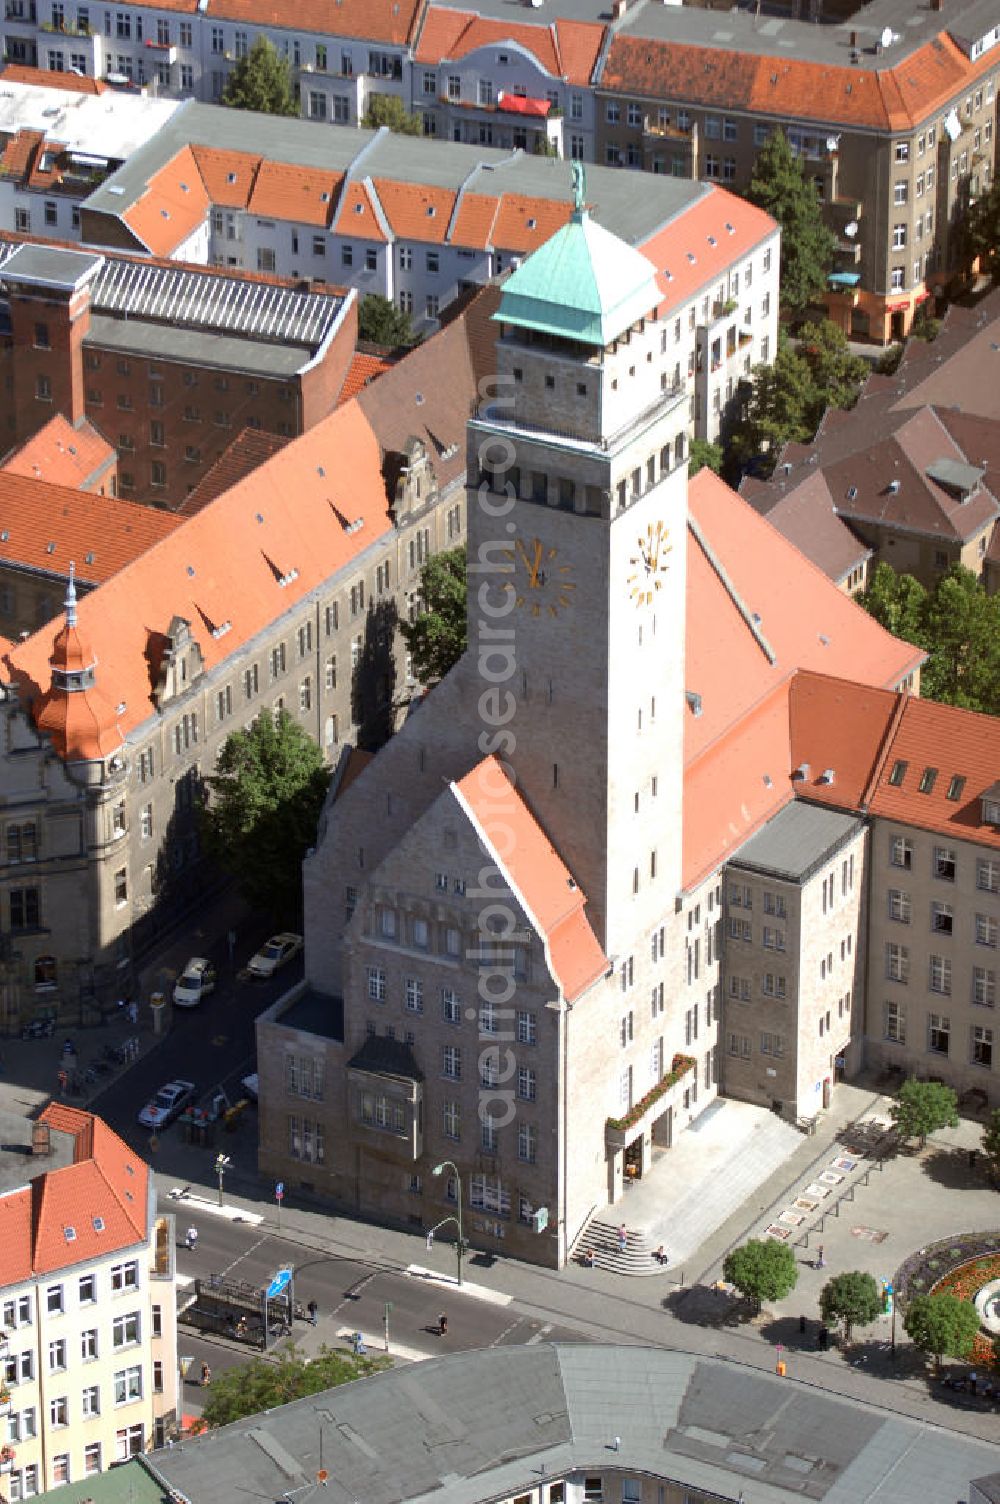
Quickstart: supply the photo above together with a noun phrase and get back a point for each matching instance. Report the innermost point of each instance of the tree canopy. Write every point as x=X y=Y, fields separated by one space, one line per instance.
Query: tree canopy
x=853 y=1298
x=761 y=1269
x=262 y=81
x=437 y=638
x=264 y=803
x=779 y=185
x=991 y=1141
x=942 y=1325
x=923 y=1107
x=704 y=455
x=958 y=625
x=981 y=236
x=382 y=323
x=261 y=1384
x=388 y=109
x=789 y=397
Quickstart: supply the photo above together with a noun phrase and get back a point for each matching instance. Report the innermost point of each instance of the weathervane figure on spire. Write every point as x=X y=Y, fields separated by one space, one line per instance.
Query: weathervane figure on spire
x=70 y=601
x=579 y=186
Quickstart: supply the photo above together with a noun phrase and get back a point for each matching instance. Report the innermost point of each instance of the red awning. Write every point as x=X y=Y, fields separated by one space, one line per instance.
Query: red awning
x=515 y=104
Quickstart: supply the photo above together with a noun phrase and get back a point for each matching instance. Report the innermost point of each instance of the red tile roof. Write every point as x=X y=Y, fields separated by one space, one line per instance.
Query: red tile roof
x=19 y=153
x=390 y=21
x=44 y=78
x=959 y=744
x=523 y=224
x=106 y=1182
x=841 y=725
x=248 y=450
x=228 y=176
x=64 y=455
x=536 y=874
x=565 y=49
x=99 y=534
x=699 y=245
x=416 y=211
x=356 y=214
x=172 y=208
x=306 y=194
x=364 y=369
x=789 y=88
x=223 y=565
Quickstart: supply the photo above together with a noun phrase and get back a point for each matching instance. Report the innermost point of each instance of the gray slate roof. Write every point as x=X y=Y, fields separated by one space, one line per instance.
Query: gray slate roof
x=800 y=838
x=490 y=1423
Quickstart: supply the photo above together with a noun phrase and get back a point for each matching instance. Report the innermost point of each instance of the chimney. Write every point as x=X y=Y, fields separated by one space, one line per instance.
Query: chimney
x=854 y=39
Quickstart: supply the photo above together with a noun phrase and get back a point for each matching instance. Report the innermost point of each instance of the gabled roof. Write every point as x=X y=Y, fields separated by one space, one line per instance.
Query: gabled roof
x=68 y=456
x=564 y=49
x=364 y=369
x=47 y=527
x=696 y=247
x=248 y=450
x=173 y=206
x=958 y=744
x=224 y=567
x=305 y=194
x=45 y=78
x=807 y=517
x=416 y=211
x=535 y=873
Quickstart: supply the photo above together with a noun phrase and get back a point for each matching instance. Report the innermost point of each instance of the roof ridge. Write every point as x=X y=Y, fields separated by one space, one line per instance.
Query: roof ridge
x=882 y=757
x=730 y=589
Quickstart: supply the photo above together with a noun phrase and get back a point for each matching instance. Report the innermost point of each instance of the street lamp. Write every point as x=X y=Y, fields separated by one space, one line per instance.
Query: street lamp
x=222 y=1164
x=447 y=1164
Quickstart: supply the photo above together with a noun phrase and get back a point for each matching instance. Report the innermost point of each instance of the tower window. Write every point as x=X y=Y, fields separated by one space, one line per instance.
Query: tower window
x=555 y=775
x=550 y=383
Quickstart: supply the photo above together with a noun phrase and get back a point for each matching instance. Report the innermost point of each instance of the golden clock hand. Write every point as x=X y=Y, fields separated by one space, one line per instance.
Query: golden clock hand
x=533 y=582
x=523 y=552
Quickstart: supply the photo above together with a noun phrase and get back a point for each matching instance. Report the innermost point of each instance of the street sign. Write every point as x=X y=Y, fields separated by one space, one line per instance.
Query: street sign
x=280 y=1282
x=279 y=1190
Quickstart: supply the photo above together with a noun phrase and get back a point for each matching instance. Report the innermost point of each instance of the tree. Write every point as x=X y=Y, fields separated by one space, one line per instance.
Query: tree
x=437 y=638
x=265 y=799
x=942 y=1325
x=382 y=323
x=387 y=109
x=780 y=186
x=762 y=1269
x=897 y=602
x=780 y=409
x=261 y=1385
x=837 y=374
x=853 y=1298
x=991 y=1142
x=923 y=1107
x=961 y=624
x=704 y=455
x=261 y=81
x=982 y=232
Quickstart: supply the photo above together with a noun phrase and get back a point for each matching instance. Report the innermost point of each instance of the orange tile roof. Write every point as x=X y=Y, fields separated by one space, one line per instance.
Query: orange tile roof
x=841 y=725
x=364 y=369
x=391 y=21
x=99 y=534
x=248 y=450
x=716 y=230
x=809 y=623
x=64 y=455
x=416 y=211
x=43 y=78
x=580 y=45
x=18 y=154
x=958 y=743
x=475 y=220
x=523 y=224
x=790 y=88
x=356 y=214
x=223 y=564
x=284 y=191
x=565 y=49
x=228 y=176
x=536 y=874
x=174 y=204
x=441 y=34
x=15 y=1235
x=106 y=1180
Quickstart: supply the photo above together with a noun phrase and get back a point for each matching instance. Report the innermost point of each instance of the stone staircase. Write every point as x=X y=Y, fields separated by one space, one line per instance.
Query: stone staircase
x=602 y=1239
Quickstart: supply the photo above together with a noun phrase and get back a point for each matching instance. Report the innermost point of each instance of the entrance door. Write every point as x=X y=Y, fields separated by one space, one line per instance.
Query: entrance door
x=898 y=323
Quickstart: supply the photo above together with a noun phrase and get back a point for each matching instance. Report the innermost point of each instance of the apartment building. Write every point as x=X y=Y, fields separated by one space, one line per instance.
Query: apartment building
x=493 y=83
x=60 y=134
x=383 y=214
x=168 y=362
x=891 y=113
x=525 y=981
x=280 y=593
x=89 y=1348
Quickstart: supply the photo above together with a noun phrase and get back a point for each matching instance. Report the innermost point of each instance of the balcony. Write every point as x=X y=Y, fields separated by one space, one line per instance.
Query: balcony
x=619 y=1132
x=167 y=52
x=665 y=131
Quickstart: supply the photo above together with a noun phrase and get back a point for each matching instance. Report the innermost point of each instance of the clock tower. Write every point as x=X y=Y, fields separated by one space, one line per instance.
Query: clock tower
x=577 y=475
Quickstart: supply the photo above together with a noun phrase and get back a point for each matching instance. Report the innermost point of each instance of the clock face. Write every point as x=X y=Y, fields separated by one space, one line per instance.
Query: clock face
x=649 y=564
x=540 y=583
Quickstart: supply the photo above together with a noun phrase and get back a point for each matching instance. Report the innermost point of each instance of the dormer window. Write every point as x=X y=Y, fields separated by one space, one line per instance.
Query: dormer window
x=991 y=811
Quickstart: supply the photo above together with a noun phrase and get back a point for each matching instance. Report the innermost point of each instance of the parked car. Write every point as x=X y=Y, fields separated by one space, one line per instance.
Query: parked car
x=278 y=950
x=169 y=1102
x=195 y=982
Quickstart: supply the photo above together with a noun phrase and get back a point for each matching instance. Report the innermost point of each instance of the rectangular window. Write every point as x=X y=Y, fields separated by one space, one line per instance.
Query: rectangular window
x=939 y=974
x=988 y=876
x=986 y=931
x=984 y=986
x=414 y=995
x=899 y=906
x=125 y=1330
x=125 y=1276
x=982 y=1046
x=894 y=1023
x=897 y=962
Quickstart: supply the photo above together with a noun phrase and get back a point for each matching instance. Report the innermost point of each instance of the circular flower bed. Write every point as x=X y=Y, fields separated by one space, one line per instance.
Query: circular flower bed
x=966 y=1281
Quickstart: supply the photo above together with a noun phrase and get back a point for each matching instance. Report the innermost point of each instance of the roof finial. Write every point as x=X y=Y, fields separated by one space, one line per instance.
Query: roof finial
x=70 y=601
x=579 y=187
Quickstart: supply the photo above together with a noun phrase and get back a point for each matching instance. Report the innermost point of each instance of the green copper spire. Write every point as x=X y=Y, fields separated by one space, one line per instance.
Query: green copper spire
x=583 y=284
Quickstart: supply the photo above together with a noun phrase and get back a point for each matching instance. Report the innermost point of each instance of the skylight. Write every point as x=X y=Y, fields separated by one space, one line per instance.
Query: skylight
x=927 y=780
x=955 y=787
x=898 y=773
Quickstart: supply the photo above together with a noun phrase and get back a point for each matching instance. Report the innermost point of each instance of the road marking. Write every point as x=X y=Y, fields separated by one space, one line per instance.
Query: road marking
x=246 y=1253
x=540 y=1335
x=353 y=1293
x=506 y=1332
x=376 y=1348
x=477 y=1292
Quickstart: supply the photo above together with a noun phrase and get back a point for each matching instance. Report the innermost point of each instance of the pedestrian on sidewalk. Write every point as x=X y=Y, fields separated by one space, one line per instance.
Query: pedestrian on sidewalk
x=206 y=1375
x=62 y=1077
x=443 y=1324
x=820 y=1260
x=622 y=1238
x=133 y=1012
x=313 y=1310
x=191 y=1239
